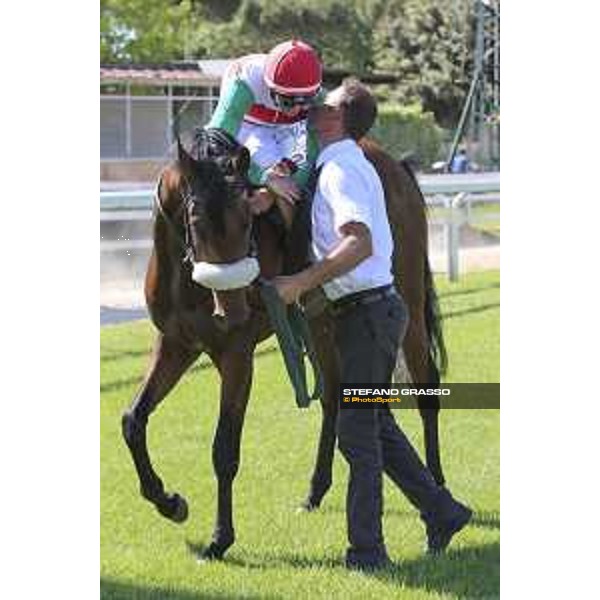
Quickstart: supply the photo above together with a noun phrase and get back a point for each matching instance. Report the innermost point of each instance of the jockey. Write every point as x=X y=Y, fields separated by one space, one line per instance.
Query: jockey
x=264 y=105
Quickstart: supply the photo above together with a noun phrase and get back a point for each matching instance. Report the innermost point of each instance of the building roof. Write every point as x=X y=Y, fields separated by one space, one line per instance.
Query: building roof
x=205 y=72
x=178 y=73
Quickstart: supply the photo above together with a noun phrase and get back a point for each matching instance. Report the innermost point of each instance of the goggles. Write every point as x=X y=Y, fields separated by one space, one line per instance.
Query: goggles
x=287 y=103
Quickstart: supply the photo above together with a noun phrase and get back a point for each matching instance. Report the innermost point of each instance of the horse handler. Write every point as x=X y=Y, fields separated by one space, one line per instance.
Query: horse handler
x=352 y=247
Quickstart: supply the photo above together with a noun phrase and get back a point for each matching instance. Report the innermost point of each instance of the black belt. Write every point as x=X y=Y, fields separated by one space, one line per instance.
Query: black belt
x=362 y=298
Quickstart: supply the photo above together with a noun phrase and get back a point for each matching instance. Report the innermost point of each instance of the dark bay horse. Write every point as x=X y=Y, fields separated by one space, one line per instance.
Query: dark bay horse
x=203 y=218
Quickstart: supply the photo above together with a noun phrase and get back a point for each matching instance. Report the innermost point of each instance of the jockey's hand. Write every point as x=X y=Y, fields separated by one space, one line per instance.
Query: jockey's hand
x=260 y=201
x=283 y=186
x=283 y=167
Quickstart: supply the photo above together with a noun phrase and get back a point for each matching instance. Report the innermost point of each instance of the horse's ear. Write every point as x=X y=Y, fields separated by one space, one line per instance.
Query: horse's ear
x=183 y=158
x=241 y=161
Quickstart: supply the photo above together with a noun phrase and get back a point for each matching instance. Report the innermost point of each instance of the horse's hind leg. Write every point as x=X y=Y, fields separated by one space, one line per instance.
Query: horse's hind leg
x=324 y=346
x=424 y=373
x=429 y=409
x=169 y=362
x=321 y=479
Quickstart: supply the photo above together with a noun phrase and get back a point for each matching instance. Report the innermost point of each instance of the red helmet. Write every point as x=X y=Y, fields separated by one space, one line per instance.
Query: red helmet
x=293 y=69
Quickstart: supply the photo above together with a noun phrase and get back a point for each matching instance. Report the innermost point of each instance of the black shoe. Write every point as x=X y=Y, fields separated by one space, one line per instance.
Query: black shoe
x=440 y=534
x=371 y=561
x=366 y=567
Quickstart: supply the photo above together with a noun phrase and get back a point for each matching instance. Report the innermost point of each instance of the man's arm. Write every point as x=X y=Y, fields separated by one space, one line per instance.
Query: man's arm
x=355 y=246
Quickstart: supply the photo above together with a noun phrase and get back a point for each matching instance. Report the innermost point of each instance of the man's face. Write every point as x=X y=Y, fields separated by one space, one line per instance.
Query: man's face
x=326 y=119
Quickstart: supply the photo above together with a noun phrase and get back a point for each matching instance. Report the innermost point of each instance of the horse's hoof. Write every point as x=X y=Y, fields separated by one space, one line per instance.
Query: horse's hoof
x=213 y=552
x=175 y=508
x=307 y=506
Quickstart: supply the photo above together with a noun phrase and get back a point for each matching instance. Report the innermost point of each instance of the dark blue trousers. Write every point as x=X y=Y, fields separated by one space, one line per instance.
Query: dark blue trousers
x=368 y=338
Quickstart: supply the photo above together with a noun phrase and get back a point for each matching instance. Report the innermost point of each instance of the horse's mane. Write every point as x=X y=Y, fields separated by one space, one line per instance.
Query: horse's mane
x=214 y=197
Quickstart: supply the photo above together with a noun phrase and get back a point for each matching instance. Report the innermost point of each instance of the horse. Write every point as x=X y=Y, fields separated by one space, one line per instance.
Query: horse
x=202 y=221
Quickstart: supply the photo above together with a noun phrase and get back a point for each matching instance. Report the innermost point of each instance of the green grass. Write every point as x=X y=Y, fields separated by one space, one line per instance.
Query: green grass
x=278 y=553
x=483 y=217
x=486 y=218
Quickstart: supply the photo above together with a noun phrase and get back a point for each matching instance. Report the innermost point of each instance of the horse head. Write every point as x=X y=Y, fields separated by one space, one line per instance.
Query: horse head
x=214 y=189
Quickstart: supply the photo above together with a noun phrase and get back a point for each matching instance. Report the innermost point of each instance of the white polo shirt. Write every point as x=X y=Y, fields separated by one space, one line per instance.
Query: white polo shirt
x=349 y=189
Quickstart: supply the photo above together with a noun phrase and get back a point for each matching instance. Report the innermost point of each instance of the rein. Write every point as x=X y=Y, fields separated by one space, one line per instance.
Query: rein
x=291 y=329
x=183 y=242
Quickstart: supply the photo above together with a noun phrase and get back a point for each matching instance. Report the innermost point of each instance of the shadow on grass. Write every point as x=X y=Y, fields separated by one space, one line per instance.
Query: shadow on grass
x=470 y=311
x=483 y=288
x=112 y=589
x=472 y=572
x=465 y=573
x=196 y=549
x=265 y=560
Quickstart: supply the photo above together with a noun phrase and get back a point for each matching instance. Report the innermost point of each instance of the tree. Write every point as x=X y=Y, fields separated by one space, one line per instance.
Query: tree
x=428 y=44
x=333 y=27
x=144 y=30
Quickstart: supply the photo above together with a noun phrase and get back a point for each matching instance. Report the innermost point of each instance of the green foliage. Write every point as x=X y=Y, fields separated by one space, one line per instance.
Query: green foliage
x=258 y=26
x=143 y=30
x=427 y=43
x=408 y=131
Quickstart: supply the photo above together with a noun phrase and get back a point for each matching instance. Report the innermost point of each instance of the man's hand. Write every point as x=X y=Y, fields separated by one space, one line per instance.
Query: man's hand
x=354 y=247
x=283 y=186
x=289 y=287
x=260 y=201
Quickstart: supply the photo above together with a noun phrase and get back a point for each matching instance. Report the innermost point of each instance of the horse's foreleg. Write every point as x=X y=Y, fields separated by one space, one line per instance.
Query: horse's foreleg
x=322 y=475
x=235 y=368
x=169 y=362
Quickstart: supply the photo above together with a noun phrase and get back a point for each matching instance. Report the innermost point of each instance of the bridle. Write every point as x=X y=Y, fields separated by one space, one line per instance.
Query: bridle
x=184 y=240
x=213 y=144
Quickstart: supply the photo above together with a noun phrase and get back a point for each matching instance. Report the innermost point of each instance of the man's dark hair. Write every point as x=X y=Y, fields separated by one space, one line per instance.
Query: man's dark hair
x=359 y=106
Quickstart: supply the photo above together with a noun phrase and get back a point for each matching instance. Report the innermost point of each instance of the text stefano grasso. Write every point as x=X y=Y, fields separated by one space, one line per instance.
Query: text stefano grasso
x=396 y=391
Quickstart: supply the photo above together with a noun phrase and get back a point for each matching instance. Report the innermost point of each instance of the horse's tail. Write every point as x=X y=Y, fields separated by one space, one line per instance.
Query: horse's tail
x=438 y=357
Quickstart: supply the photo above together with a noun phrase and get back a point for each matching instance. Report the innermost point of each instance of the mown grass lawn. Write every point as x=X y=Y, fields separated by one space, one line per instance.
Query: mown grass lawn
x=482 y=217
x=279 y=553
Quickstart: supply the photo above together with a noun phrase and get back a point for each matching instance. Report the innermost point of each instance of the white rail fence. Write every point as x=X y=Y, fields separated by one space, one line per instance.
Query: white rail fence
x=455 y=194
